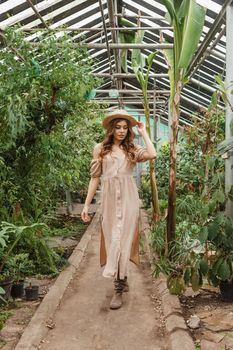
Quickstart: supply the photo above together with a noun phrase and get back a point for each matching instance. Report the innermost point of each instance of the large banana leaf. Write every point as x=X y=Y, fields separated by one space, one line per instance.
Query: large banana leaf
x=187 y=19
x=169 y=57
x=138 y=59
x=192 y=29
x=124 y=22
x=130 y=36
x=126 y=36
x=171 y=10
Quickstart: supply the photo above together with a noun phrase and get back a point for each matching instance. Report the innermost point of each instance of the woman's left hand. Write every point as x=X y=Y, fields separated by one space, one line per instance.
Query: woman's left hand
x=141 y=127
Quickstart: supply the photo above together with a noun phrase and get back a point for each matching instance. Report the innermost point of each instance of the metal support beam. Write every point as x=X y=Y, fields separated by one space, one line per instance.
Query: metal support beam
x=106 y=37
x=115 y=40
x=129 y=75
x=161 y=18
x=210 y=51
x=113 y=46
x=37 y=13
x=202 y=85
x=144 y=46
x=128 y=91
x=154 y=75
x=126 y=101
x=229 y=111
x=209 y=36
x=216 y=54
x=92 y=29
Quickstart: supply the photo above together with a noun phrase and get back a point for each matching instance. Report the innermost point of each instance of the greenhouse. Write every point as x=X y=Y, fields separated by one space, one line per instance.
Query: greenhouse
x=116 y=178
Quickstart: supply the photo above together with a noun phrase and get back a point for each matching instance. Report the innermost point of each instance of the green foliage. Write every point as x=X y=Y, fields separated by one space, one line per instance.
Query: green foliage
x=145 y=191
x=3 y=238
x=187 y=263
x=220 y=235
x=161 y=170
x=126 y=36
x=2 y=299
x=4 y=315
x=47 y=128
x=31 y=239
x=75 y=229
x=187 y=19
x=19 y=266
x=201 y=224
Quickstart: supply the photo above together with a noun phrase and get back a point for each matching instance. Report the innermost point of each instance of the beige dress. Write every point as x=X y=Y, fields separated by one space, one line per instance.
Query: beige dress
x=119 y=212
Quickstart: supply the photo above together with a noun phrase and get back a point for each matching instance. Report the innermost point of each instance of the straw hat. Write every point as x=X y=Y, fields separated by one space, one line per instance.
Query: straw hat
x=119 y=113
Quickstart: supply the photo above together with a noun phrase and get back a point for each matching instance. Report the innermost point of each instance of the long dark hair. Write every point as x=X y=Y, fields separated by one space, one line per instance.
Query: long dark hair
x=127 y=144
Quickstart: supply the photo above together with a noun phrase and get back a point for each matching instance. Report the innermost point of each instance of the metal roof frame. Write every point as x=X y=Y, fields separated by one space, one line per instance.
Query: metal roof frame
x=101 y=29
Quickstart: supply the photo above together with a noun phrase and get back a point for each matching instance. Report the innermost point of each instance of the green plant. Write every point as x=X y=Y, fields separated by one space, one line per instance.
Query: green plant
x=145 y=191
x=48 y=129
x=187 y=19
x=4 y=315
x=138 y=63
x=2 y=292
x=3 y=239
x=197 y=253
x=33 y=240
x=19 y=266
x=186 y=263
x=219 y=233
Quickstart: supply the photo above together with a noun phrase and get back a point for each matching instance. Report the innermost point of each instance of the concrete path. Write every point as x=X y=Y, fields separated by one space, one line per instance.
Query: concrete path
x=84 y=321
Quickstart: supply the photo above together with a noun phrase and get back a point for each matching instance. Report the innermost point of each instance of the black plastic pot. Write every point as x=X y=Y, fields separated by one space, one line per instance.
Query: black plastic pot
x=226 y=290
x=17 y=290
x=32 y=292
x=6 y=285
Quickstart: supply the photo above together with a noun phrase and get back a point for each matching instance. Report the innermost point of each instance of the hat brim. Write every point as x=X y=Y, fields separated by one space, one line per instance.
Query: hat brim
x=109 y=118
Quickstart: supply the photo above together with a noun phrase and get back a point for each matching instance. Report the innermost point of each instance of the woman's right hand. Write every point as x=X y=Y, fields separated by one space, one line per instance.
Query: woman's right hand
x=85 y=217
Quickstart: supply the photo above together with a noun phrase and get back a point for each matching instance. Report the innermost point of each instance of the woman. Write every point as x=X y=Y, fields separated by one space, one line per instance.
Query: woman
x=115 y=159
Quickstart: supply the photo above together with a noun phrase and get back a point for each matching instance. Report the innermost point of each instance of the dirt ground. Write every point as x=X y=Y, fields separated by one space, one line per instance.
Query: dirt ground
x=84 y=320
x=215 y=331
x=22 y=312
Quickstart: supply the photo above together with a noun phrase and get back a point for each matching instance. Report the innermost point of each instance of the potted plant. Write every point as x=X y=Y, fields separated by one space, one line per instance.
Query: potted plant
x=6 y=282
x=32 y=291
x=10 y=236
x=2 y=299
x=18 y=266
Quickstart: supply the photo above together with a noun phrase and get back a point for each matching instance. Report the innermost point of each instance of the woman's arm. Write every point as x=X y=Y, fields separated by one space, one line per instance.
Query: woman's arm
x=150 y=152
x=93 y=184
x=92 y=187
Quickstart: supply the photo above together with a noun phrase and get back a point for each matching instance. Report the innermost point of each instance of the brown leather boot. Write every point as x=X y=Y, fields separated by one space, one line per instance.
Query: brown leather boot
x=126 y=285
x=116 y=301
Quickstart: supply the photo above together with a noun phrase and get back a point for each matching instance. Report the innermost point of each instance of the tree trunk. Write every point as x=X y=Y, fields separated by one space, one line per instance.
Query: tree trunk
x=171 y=218
x=154 y=190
